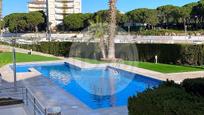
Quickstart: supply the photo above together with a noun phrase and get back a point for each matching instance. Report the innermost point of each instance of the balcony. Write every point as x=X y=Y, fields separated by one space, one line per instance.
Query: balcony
x=62 y=11
x=64 y=5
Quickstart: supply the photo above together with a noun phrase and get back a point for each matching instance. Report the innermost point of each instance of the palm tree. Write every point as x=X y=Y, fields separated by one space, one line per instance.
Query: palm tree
x=98 y=30
x=112 y=29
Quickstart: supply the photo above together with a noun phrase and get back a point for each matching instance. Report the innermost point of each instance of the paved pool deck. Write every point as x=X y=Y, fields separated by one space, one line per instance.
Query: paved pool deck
x=13 y=110
x=51 y=95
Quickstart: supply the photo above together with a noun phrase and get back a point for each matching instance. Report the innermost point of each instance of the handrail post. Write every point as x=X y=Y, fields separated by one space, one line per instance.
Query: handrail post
x=34 y=101
x=23 y=94
x=26 y=96
x=45 y=111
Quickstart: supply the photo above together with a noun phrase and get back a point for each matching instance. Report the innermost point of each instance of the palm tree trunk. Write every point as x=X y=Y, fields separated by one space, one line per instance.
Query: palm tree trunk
x=36 y=29
x=103 y=48
x=112 y=29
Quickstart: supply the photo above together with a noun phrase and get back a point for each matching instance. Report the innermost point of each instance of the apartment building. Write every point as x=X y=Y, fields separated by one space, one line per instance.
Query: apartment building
x=56 y=9
x=0 y=9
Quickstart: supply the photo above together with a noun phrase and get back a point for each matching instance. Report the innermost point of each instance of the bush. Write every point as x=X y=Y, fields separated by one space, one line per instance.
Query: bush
x=54 y=48
x=195 y=86
x=167 y=99
x=167 y=53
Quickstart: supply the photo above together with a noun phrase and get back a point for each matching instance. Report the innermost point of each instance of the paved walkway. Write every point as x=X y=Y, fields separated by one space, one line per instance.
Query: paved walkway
x=13 y=110
x=50 y=95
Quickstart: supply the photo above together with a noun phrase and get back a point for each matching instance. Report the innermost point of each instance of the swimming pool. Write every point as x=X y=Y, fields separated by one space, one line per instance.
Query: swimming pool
x=96 y=87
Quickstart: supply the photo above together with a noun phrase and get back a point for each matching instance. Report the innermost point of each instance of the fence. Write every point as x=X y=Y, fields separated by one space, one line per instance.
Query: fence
x=30 y=100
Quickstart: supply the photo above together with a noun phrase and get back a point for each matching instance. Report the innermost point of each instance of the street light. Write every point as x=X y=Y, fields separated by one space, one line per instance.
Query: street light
x=48 y=21
x=185 y=27
x=14 y=61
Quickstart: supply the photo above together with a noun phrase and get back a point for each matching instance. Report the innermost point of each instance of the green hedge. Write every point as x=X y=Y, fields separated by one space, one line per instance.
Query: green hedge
x=194 y=86
x=167 y=53
x=54 y=48
x=165 y=32
x=166 y=100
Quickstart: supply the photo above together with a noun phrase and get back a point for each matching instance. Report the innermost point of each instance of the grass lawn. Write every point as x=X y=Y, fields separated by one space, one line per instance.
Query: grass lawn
x=6 y=57
x=163 y=68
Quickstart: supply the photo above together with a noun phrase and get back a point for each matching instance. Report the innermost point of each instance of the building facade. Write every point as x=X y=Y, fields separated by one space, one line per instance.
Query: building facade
x=56 y=9
x=0 y=9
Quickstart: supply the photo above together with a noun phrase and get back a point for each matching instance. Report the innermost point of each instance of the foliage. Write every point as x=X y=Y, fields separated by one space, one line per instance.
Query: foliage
x=23 y=22
x=2 y=24
x=189 y=16
x=103 y=16
x=194 y=86
x=54 y=48
x=167 y=99
x=12 y=22
x=168 y=14
x=75 y=22
x=144 y=15
x=181 y=54
x=98 y=30
x=34 y=19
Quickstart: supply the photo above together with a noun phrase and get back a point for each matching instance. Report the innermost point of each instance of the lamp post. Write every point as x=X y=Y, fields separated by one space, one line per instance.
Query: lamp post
x=48 y=21
x=14 y=62
x=196 y=18
x=185 y=29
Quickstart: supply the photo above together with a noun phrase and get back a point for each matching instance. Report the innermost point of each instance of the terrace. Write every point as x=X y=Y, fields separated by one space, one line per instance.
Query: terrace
x=41 y=87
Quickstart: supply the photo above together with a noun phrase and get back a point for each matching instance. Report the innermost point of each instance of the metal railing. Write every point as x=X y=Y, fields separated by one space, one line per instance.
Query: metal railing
x=31 y=102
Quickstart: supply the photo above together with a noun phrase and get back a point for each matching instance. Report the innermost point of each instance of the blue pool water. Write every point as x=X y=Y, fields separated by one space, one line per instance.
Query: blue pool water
x=96 y=87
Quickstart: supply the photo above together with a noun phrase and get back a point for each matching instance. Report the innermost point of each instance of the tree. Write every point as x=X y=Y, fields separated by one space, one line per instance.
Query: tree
x=12 y=22
x=144 y=15
x=74 y=22
x=87 y=17
x=22 y=22
x=22 y=25
x=34 y=19
x=121 y=18
x=98 y=30
x=190 y=15
x=112 y=29
x=198 y=13
x=2 y=23
x=185 y=13
x=102 y=15
x=168 y=14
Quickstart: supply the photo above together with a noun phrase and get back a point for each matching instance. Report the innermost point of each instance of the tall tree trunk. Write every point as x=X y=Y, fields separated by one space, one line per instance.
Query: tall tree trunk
x=184 y=24
x=103 y=48
x=36 y=29
x=112 y=29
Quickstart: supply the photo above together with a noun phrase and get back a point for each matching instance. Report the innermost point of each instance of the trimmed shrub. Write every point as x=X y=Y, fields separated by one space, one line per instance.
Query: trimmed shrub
x=195 y=86
x=54 y=48
x=167 y=53
x=167 y=99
